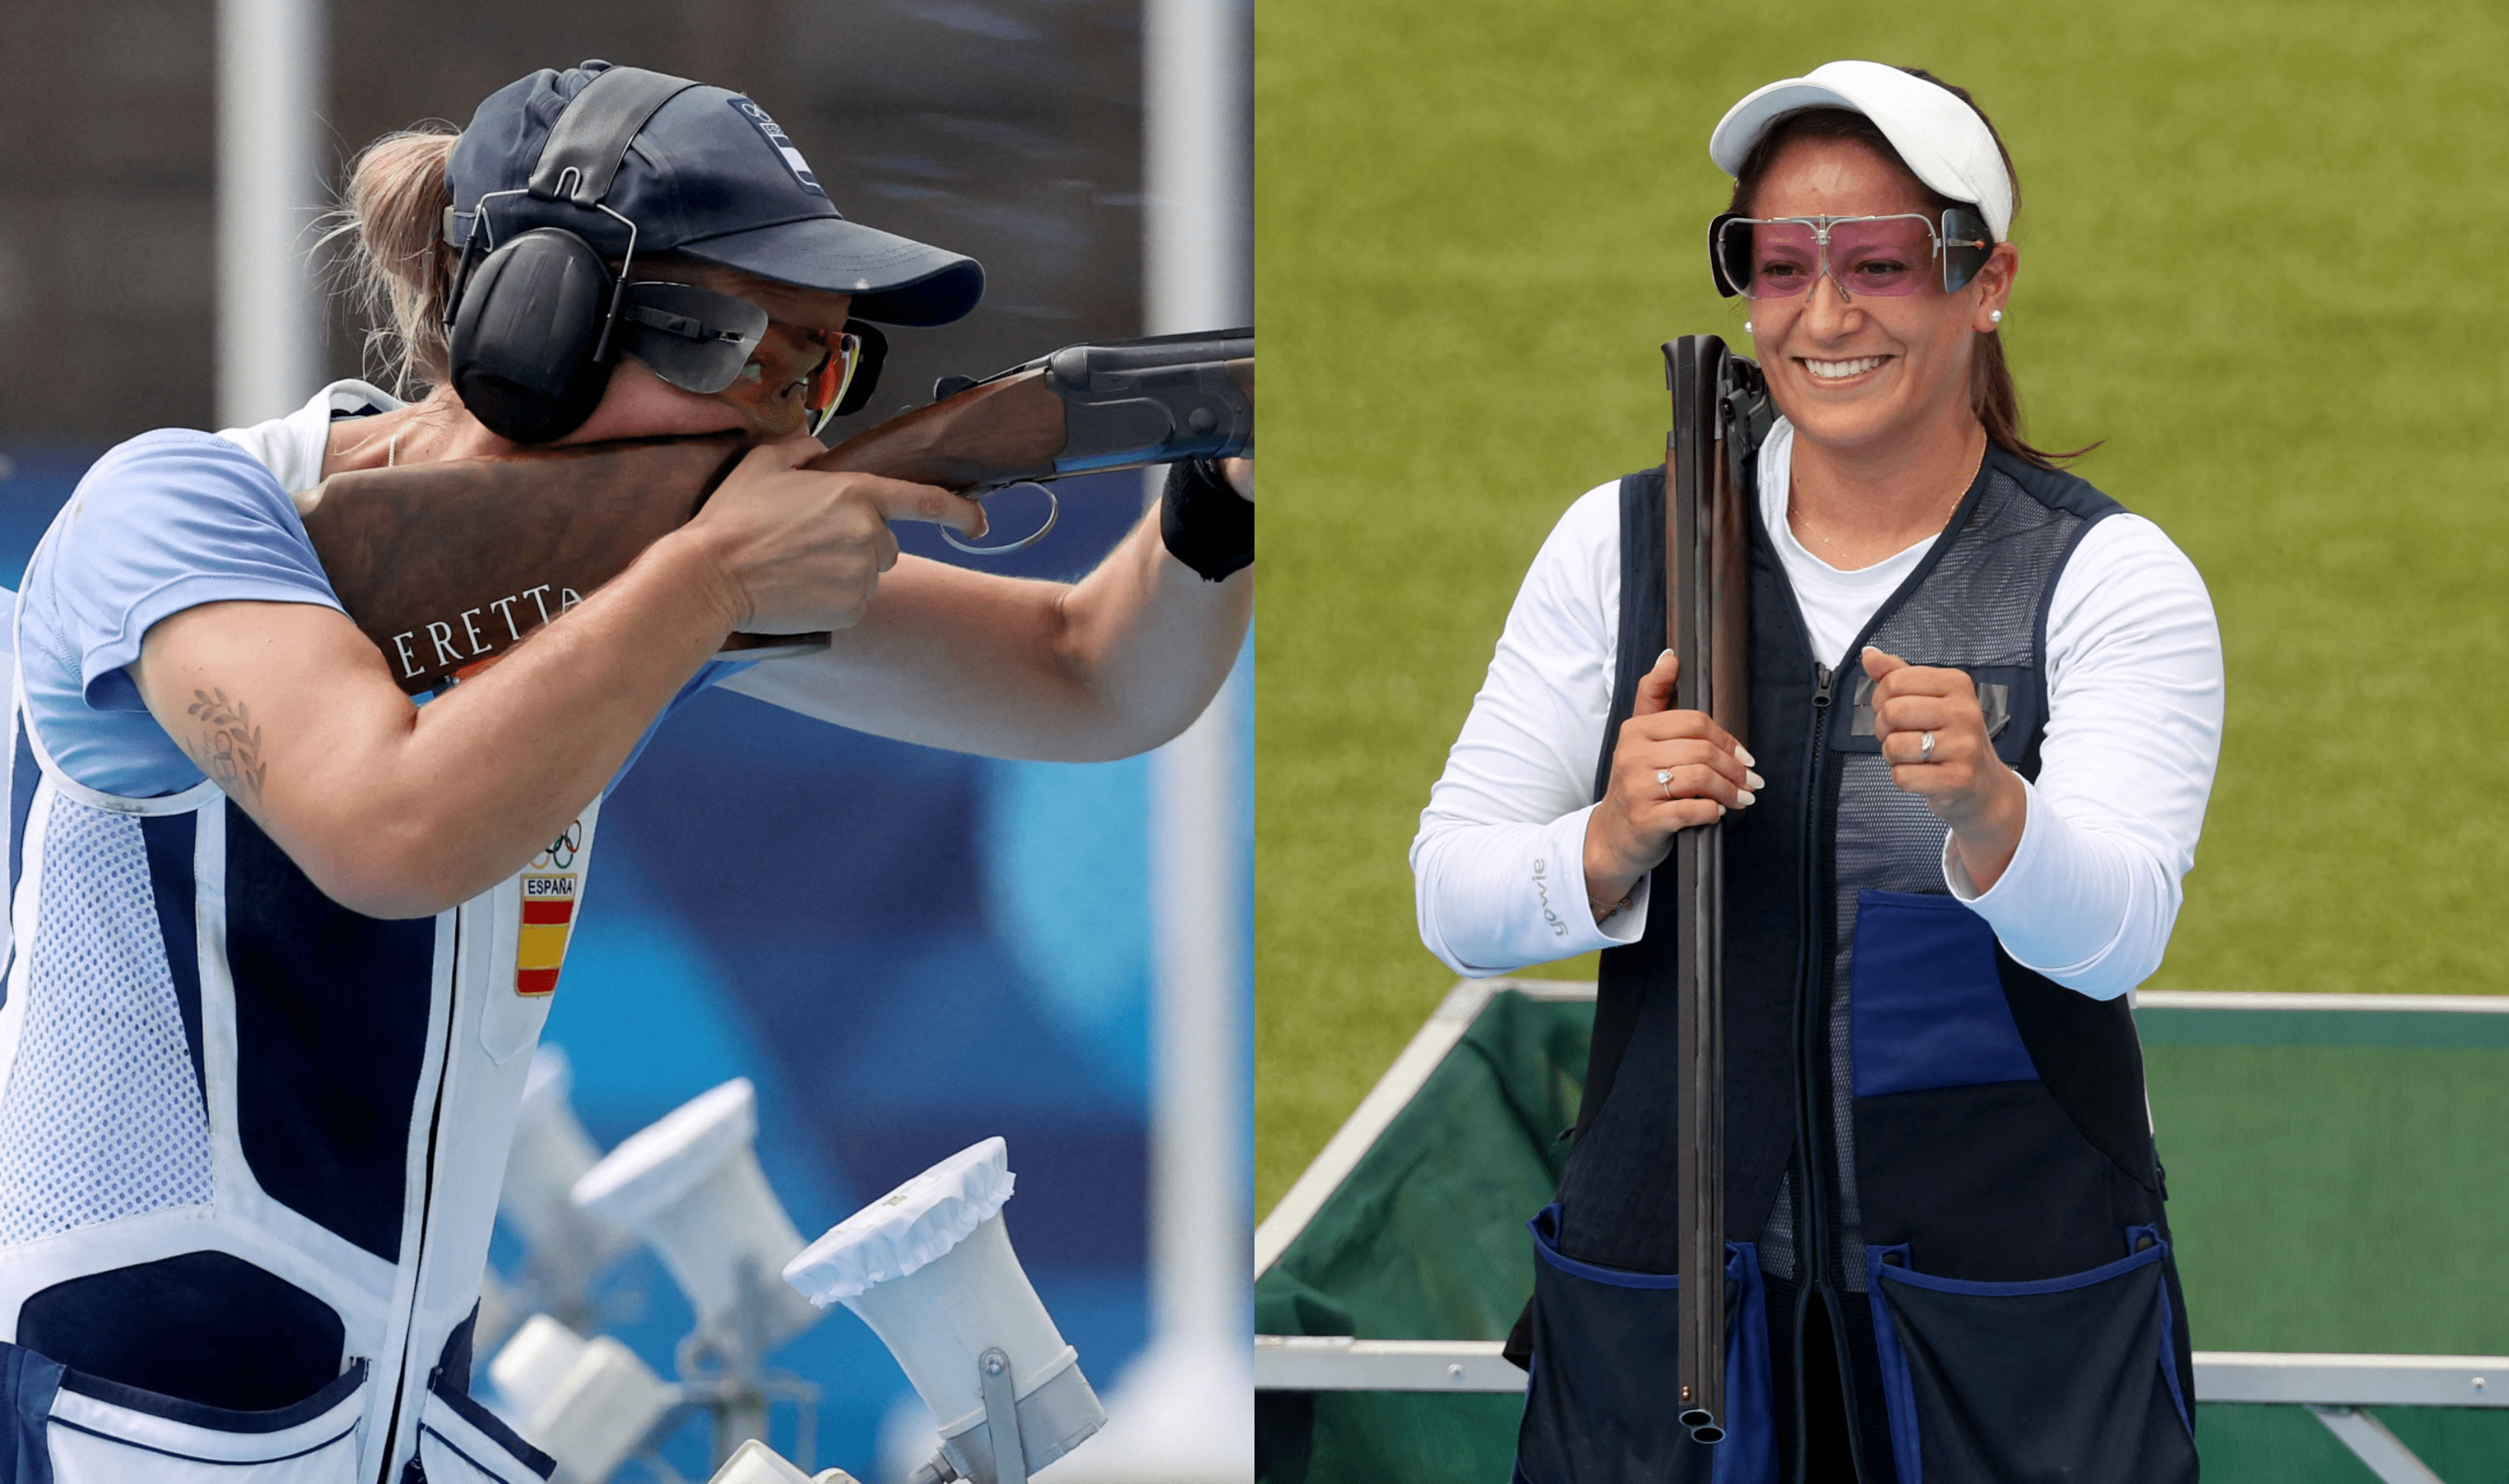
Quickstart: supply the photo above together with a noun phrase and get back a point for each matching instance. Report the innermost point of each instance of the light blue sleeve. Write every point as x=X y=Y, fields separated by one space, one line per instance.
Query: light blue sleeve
x=165 y=522
x=162 y=522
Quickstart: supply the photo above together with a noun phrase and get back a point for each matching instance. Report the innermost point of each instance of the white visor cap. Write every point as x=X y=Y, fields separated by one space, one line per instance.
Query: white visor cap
x=1941 y=139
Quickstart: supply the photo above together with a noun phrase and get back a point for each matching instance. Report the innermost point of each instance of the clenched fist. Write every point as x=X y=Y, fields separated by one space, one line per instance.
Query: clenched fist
x=1958 y=774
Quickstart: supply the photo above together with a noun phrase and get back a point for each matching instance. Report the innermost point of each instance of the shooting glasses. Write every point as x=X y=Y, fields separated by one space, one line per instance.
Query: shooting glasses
x=1781 y=257
x=701 y=341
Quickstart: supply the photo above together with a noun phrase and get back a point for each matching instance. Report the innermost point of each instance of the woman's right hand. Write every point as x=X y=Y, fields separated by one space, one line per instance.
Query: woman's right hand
x=1630 y=831
x=798 y=549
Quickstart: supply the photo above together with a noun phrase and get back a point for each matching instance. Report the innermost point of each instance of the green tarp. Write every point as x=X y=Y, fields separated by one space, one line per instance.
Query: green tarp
x=2334 y=1184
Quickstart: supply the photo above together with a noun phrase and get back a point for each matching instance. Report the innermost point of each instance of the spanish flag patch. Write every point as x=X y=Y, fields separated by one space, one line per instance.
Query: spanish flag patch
x=548 y=916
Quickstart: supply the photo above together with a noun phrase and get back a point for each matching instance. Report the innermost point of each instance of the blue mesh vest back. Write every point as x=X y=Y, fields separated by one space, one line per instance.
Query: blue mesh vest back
x=250 y=1143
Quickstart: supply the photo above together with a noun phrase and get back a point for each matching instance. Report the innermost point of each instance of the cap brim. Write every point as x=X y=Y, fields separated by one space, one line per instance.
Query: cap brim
x=894 y=279
x=1747 y=120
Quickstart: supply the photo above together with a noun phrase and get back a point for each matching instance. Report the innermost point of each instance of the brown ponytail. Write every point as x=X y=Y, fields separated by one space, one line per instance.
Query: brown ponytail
x=1992 y=396
x=397 y=268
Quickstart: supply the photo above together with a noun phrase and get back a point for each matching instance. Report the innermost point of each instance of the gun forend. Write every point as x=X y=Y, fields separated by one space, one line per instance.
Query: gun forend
x=1115 y=405
x=446 y=566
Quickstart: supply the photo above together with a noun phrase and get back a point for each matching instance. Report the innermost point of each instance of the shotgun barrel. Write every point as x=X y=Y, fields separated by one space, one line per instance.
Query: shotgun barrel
x=1720 y=413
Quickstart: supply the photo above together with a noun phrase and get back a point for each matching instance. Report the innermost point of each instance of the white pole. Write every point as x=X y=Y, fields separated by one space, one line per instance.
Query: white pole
x=1197 y=266
x=1195 y=262
x=1198 y=1174
x=1183 y=1412
x=1196 y=165
x=270 y=86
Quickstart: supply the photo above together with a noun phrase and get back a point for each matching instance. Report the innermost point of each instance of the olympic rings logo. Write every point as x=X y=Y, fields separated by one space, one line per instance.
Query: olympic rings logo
x=562 y=851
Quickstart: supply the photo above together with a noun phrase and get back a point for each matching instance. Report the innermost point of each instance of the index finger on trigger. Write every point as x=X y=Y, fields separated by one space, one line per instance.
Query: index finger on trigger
x=897 y=501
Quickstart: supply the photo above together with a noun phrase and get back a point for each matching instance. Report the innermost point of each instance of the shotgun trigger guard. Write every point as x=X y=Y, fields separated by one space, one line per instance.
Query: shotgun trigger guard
x=1053 y=512
x=1171 y=397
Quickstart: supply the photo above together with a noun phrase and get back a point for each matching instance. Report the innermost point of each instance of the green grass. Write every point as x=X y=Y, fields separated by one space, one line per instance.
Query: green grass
x=2255 y=250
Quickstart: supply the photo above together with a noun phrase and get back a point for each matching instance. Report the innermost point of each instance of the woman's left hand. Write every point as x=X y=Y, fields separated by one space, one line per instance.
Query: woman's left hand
x=1961 y=779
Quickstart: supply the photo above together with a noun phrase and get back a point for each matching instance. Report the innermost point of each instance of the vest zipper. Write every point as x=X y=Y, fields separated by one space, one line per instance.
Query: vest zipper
x=1807 y=1014
x=426 y=1213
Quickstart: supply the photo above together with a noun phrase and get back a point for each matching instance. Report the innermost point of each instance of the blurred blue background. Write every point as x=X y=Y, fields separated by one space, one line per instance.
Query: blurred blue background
x=907 y=951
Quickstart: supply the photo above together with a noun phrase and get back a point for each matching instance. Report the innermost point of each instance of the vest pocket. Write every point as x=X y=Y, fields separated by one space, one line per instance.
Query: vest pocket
x=1604 y=1399
x=2072 y=1378
x=462 y=1442
x=1926 y=998
x=98 y=1432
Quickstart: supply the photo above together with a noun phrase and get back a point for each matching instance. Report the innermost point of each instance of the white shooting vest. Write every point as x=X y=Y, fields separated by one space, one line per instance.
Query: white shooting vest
x=227 y=1102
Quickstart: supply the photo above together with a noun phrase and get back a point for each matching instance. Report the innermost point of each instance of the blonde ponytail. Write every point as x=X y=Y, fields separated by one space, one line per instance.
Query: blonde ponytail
x=396 y=268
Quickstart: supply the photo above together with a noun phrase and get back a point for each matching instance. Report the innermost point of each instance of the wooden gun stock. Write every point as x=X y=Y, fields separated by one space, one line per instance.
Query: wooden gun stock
x=1720 y=412
x=445 y=566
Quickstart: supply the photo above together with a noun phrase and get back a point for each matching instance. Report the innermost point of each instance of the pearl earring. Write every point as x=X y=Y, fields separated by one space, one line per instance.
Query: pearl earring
x=1996 y=316
x=1747 y=327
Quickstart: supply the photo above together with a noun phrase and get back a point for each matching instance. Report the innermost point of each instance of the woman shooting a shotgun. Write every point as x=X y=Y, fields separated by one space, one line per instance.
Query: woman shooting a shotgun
x=1984 y=711
x=283 y=938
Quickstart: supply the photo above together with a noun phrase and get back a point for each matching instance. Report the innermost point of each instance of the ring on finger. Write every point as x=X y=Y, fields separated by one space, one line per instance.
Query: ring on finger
x=1664 y=780
x=1925 y=747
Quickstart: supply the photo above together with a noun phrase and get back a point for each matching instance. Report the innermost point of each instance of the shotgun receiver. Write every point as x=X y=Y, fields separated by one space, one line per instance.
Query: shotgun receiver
x=1720 y=414
x=445 y=566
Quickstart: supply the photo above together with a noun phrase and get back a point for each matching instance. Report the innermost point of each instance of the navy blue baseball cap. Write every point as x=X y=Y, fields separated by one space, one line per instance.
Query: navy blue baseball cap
x=709 y=176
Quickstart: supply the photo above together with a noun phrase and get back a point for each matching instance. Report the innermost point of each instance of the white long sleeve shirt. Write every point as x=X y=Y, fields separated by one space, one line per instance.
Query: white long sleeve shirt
x=2134 y=729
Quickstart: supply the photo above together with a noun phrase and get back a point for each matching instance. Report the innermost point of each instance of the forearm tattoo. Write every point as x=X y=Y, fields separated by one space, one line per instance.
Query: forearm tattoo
x=229 y=746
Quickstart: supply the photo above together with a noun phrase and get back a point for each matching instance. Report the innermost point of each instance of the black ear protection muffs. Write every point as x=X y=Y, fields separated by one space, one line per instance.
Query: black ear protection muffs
x=528 y=357
x=532 y=329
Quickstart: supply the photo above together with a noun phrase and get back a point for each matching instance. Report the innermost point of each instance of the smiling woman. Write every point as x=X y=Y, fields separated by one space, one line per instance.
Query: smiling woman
x=1984 y=714
x=1992 y=396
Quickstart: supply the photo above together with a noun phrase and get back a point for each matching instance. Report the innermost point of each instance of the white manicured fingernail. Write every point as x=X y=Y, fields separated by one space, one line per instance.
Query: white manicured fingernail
x=1743 y=797
x=1744 y=753
x=1661 y=658
x=1756 y=782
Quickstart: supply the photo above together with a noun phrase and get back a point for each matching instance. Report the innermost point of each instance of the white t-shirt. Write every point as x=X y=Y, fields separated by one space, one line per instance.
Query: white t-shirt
x=2134 y=728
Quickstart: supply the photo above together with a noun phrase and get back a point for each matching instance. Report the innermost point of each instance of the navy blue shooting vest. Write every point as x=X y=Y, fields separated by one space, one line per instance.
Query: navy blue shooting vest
x=1952 y=1152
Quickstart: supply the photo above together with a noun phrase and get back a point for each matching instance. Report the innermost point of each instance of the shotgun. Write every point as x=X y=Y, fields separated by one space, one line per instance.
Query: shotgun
x=1720 y=414
x=446 y=566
